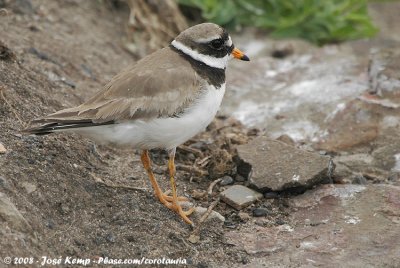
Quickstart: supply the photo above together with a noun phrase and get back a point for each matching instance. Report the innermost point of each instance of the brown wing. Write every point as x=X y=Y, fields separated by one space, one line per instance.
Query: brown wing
x=161 y=84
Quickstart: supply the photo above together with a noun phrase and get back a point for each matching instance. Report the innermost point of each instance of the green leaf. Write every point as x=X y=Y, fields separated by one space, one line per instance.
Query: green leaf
x=318 y=21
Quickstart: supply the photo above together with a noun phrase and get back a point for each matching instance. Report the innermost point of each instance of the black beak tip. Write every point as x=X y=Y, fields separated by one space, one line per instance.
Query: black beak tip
x=245 y=58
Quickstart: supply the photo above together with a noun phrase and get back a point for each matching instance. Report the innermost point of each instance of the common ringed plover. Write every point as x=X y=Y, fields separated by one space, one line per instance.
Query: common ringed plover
x=161 y=101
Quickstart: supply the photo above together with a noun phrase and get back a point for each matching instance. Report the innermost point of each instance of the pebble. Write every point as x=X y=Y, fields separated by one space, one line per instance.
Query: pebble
x=50 y=224
x=79 y=242
x=3 y=149
x=130 y=238
x=213 y=215
x=198 y=194
x=226 y=180
x=98 y=240
x=29 y=187
x=244 y=216
x=194 y=239
x=64 y=209
x=239 y=196
x=230 y=224
x=280 y=222
x=260 y=212
x=111 y=238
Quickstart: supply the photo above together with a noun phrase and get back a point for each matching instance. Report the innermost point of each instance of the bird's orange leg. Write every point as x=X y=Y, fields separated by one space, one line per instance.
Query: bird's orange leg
x=159 y=193
x=147 y=166
x=170 y=202
x=175 y=205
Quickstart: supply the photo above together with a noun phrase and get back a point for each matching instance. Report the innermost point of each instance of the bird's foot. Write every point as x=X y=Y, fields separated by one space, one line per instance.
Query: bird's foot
x=183 y=213
x=174 y=205
x=171 y=198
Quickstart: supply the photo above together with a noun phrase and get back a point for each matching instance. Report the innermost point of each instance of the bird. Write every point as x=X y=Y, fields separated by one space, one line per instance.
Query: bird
x=159 y=102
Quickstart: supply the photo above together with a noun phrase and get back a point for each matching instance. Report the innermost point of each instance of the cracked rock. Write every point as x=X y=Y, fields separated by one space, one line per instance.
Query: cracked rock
x=274 y=165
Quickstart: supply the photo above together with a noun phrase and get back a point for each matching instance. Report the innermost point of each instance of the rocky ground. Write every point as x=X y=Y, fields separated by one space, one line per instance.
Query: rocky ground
x=307 y=178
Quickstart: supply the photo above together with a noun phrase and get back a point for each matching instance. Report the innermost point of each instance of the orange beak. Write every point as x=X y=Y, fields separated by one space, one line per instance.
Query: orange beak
x=239 y=55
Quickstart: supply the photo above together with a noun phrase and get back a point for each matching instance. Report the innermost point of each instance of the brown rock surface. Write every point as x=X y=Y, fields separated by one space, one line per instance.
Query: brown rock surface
x=332 y=226
x=274 y=165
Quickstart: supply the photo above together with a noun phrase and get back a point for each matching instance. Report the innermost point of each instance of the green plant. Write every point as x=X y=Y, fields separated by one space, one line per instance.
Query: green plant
x=318 y=21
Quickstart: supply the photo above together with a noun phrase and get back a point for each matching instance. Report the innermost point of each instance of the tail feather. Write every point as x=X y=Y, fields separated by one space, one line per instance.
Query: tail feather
x=60 y=126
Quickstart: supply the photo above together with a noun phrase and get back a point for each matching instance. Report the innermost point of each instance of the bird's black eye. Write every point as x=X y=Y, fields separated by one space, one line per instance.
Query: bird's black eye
x=217 y=43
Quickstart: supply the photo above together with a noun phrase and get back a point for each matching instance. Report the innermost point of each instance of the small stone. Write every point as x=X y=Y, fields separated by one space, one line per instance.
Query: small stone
x=194 y=239
x=191 y=156
x=202 y=265
x=199 y=194
x=271 y=195
x=29 y=187
x=130 y=238
x=50 y=224
x=98 y=240
x=263 y=222
x=244 y=216
x=3 y=149
x=79 y=242
x=64 y=208
x=260 y=212
x=111 y=238
x=213 y=215
x=230 y=224
x=239 y=196
x=186 y=204
x=226 y=180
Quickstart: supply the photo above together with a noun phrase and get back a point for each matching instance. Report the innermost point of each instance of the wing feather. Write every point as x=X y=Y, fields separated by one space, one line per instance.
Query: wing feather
x=159 y=85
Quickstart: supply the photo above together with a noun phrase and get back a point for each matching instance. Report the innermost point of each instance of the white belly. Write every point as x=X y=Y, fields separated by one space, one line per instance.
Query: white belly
x=163 y=133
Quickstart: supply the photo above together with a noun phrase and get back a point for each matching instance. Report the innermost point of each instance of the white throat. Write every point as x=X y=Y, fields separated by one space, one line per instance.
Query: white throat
x=206 y=59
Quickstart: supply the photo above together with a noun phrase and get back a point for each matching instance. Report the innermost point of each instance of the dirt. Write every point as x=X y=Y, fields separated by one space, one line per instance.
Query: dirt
x=74 y=194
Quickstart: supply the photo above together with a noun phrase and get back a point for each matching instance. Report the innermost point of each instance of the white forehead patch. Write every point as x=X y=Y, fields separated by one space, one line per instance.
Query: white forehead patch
x=229 y=42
